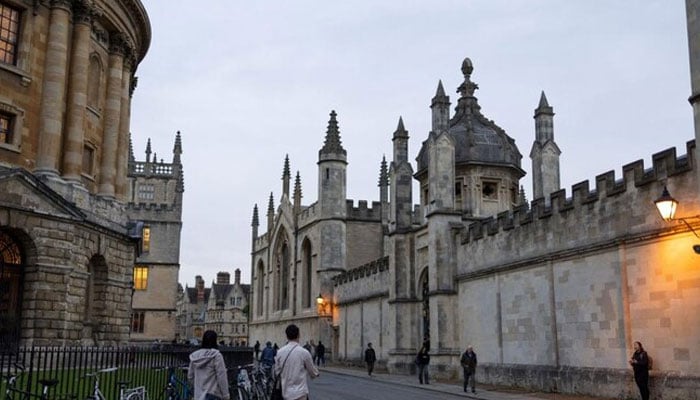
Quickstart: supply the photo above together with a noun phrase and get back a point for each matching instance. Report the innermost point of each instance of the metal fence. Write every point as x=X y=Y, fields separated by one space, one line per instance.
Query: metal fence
x=140 y=366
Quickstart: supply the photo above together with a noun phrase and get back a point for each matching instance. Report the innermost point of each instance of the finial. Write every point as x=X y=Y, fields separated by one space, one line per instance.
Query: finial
x=467 y=88
x=400 y=131
x=285 y=170
x=440 y=90
x=297 y=188
x=467 y=67
x=543 y=107
x=256 y=220
x=148 y=150
x=522 y=199
x=177 y=148
x=383 y=173
x=543 y=101
x=271 y=206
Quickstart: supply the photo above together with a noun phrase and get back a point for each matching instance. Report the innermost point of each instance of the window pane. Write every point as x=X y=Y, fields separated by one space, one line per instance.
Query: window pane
x=6 y=128
x=140 y=278
x=9 y=32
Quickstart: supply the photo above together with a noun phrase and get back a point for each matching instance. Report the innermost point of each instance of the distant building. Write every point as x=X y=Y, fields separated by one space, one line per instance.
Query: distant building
x=67 y=247
x=222 y=308
x=154 y=206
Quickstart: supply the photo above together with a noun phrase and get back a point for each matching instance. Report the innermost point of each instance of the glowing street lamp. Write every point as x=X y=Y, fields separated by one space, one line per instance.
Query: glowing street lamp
x=667 y=206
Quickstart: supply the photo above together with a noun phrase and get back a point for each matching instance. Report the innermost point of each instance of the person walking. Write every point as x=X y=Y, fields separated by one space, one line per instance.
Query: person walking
x=468 y=362
x=320 y=354
x=422 y=360
x=370 y=358
x=640 y=364
x=293 y=364
x=207 y=371
x=256 y=349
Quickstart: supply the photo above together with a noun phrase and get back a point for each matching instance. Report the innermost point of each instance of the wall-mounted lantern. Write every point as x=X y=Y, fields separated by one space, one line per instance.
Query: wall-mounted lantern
x=667 y=206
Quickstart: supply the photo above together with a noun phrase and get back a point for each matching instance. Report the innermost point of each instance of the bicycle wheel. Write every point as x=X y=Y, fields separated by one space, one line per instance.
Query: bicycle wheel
x=136 y=396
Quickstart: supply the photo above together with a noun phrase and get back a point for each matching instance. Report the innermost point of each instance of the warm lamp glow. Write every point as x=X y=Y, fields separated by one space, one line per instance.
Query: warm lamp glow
x=666 y=205
x=319 y=300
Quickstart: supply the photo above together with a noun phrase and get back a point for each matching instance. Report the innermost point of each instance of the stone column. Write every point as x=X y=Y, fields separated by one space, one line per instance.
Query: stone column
x=53 y=90
x=77 y=93
x=124 y=124
x=110 y=137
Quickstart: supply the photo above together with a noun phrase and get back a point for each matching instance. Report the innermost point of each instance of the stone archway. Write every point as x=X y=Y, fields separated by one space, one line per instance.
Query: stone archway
x=11 y=289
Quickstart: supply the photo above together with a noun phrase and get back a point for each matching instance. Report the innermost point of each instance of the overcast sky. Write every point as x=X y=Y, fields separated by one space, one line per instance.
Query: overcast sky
x=247 y=82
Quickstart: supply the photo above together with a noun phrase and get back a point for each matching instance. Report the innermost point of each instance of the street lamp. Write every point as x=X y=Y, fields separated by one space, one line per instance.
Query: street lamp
x=667 y=206
x=322 y=305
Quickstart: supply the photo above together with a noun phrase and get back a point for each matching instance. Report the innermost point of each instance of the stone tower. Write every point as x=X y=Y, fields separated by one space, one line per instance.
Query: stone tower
x=545 y=153
x=332 y=165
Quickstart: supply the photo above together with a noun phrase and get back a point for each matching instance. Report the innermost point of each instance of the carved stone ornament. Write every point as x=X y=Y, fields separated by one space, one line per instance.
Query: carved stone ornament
x=83 y=12
x=119 y=44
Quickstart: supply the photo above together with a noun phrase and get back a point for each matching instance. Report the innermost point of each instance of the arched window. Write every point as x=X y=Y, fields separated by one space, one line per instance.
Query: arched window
x=94 y=80
x=307 y=268
x=259 y=288
x=11 y=274
x=425 y=307
x=284 y=289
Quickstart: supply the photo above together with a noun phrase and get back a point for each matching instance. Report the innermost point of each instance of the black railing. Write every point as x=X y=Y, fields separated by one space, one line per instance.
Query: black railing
x=140 y=366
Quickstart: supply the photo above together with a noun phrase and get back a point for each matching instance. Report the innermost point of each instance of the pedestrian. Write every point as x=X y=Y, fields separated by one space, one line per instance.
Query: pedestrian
x=320 y=354
x=256 y=349
x=307 y=346
x=293 y=364
x=370 y=358
x=313 y=351
x=468 y=362
x=422 y=360
x=207 y=371
x=640 y=364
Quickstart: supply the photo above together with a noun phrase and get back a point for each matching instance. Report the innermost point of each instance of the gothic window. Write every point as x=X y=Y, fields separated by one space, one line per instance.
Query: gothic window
x=94 y=78
x=146 y=191
x=425 y=306
x=284 y=289
x=10 y=288
x=9 y=33
x=140 y=277
x=259 y=282
x=306 y=260
x=137 y=321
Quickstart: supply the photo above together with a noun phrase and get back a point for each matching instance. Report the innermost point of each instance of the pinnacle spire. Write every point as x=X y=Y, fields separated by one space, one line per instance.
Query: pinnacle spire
x=297 y=186
x=543 y=107
x=332 y=142
x=285 y=170
x=543 y=101
x=177 y=149
x=131 y=150
x=383 y=173
x=271 y=205
x=256 y=220
x=523 y=199
x=148 y=150
x=400 y=131
x=440 y=90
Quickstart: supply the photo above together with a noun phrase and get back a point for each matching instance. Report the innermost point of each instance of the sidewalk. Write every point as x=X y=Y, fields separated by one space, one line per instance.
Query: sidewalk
x=483 y=392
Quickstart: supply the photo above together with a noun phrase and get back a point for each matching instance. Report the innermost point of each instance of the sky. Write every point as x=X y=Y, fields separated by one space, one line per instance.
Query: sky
x=248 y=82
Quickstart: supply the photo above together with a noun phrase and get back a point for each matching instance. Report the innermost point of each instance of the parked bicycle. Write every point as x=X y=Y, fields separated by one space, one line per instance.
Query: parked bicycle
x=13 y=392
x=177 y=388
x=241 y=390
x=133 y=393
x=260 y=386
x=96 y=392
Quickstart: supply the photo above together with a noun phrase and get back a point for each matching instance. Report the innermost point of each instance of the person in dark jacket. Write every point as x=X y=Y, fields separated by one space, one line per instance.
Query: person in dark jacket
x=640 y=364
x=422 y=360
x=320 y=354
x=256 y=349
x=468 y=362
x=207 y=371
x=370 y=358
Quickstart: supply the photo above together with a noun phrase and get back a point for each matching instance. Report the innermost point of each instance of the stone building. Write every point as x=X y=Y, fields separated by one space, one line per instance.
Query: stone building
x=551 y=294
x=155 y=193
x=222 y=308
x=66 y=251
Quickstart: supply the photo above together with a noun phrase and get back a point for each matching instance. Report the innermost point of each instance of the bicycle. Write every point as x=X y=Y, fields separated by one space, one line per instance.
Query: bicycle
x=12 y=392
x=96 y=392
x=241 y=391
x=134 y=393
x=260 y=386
x=176 y=388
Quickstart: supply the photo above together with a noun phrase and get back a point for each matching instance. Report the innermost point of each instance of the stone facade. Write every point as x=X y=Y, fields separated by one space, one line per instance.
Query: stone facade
x=222 y=308
x=65 y=87
x=155 y=190
x=551 y=294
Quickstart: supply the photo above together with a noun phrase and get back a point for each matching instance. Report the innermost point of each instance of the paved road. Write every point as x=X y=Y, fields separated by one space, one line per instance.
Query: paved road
x=347 y=387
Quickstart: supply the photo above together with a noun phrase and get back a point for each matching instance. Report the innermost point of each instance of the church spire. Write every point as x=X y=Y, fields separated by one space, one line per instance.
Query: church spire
x=177 y=149
x=286 y=177
x=440 y=107
x=545 y=152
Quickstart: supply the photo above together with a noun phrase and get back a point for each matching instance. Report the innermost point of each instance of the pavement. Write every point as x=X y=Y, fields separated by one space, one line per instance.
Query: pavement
x=483 y=392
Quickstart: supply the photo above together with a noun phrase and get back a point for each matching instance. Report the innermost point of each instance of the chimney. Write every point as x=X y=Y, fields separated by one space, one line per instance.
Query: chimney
x=238 y=276
x=223 y=278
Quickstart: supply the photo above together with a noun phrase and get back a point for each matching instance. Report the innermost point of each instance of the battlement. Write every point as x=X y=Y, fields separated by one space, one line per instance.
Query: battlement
x=362 y=212
x=371 y=268
x=307 y=214
x=153 y=206
x=665 y=164
x=151 y=169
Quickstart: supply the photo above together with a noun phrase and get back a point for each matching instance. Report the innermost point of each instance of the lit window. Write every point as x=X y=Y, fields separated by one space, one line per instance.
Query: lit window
x=140 y=278
x=146 y=239
x=9 y=34
x=146 y=191
x=6 y=122
x=137 y=321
